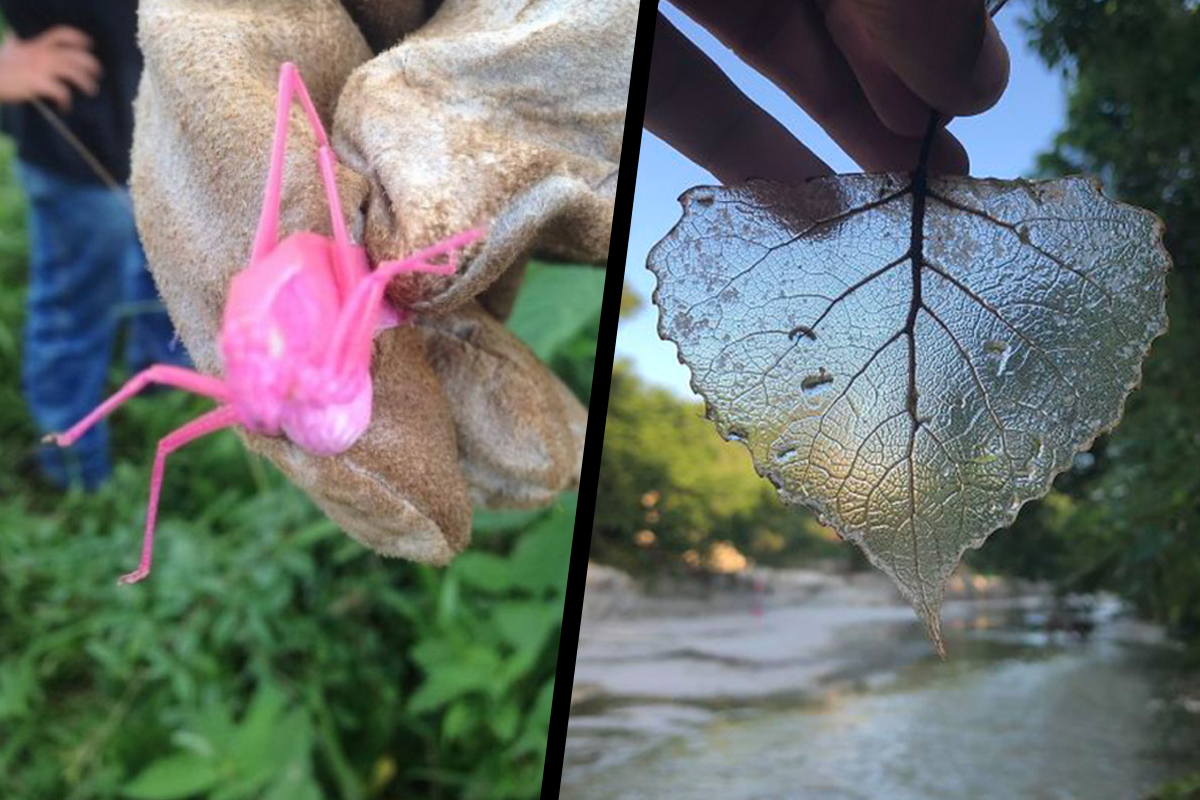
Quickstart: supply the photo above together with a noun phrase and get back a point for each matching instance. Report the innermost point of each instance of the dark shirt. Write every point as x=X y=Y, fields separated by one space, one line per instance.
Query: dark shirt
x=104 y=123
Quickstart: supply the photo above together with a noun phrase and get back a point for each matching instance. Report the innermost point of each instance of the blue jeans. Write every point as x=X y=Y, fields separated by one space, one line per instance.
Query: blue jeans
x=87 y=275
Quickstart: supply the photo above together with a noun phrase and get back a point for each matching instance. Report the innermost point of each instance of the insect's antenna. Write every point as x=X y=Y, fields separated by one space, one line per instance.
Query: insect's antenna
x=267 y=234
x=344 y=254
x=326 y=161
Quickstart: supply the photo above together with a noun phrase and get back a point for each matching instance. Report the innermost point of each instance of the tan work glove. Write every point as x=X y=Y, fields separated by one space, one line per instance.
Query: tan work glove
x=507 y=432
x=505 y=111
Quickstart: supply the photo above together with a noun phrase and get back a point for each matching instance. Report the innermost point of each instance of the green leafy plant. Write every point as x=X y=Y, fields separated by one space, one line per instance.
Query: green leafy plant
x=267 y=754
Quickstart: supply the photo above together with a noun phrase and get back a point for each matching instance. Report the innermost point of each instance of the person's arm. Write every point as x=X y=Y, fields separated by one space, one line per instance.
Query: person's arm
x=48 y=66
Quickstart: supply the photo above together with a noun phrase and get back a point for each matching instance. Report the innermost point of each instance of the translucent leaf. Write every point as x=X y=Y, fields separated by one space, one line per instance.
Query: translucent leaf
x=913 y=362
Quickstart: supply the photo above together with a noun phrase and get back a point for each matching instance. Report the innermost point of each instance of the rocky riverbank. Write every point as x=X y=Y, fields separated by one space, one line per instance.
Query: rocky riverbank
x=752 y=635
x=818 y=664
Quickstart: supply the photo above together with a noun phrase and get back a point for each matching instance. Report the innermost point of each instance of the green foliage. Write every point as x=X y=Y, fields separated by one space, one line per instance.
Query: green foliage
x=664 y=471
x=1183 y=789
x=553 y=302
x=15 y=425
x=268 y=656
x=268 y=754
x=1134 y=104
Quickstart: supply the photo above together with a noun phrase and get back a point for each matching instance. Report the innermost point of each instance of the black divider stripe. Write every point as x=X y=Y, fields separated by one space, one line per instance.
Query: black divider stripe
x=598 y=411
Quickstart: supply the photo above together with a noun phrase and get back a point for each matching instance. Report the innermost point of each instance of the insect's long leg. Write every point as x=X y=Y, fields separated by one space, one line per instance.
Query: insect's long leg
x=292 y=85
x=343 y=259
x=267 y=235
x=351 y=342
x=178 y=377
x=218 y=418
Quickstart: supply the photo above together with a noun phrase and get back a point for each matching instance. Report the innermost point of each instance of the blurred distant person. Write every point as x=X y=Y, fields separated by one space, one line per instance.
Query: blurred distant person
x=87 y=269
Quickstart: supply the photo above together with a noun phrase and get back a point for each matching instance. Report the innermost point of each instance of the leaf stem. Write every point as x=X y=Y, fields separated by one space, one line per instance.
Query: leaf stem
x=916 y=251
x=926 y=145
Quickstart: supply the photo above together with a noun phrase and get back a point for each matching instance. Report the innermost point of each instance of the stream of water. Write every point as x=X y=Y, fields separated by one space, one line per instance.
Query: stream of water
x=1013 y=713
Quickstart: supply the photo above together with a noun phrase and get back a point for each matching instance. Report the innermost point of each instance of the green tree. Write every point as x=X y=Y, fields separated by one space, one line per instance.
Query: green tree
x=664 y=471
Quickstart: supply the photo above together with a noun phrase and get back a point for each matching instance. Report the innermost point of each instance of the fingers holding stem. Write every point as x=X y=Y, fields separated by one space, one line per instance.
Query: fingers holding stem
x=870 y=72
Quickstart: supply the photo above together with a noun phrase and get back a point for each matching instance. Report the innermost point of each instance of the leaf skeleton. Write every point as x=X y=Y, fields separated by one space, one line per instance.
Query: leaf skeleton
x=890 y=456
x=810 y=382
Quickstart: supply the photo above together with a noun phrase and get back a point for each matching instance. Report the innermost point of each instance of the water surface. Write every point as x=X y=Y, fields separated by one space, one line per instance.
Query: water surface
x=1014 y=713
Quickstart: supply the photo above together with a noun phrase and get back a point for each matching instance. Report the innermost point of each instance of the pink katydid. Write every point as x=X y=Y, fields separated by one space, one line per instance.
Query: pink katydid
x=297 y=329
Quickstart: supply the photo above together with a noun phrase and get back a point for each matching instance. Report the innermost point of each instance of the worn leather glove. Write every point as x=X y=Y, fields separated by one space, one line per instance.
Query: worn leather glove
x=497 y=111
x=462 y=410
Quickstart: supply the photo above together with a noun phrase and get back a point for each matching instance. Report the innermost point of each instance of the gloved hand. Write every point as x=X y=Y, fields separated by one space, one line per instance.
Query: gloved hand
x=493 y=111
x=506 y=432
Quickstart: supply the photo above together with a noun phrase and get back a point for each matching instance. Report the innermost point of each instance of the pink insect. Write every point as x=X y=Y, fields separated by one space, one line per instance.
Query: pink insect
x=296 y=333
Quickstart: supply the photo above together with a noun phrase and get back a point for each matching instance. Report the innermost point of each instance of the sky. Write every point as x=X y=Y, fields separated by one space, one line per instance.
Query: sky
x=1002 y=143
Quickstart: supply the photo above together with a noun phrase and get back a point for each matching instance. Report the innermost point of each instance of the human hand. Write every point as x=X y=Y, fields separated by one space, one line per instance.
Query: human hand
x=48 y=66
x=868 y=71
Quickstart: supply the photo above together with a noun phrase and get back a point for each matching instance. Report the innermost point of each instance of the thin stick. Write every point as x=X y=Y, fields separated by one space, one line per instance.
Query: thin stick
x=79 y=147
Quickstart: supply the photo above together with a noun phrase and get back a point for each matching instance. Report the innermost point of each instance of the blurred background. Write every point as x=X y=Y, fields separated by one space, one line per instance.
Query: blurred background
x=268 y=655
x=732 y=647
